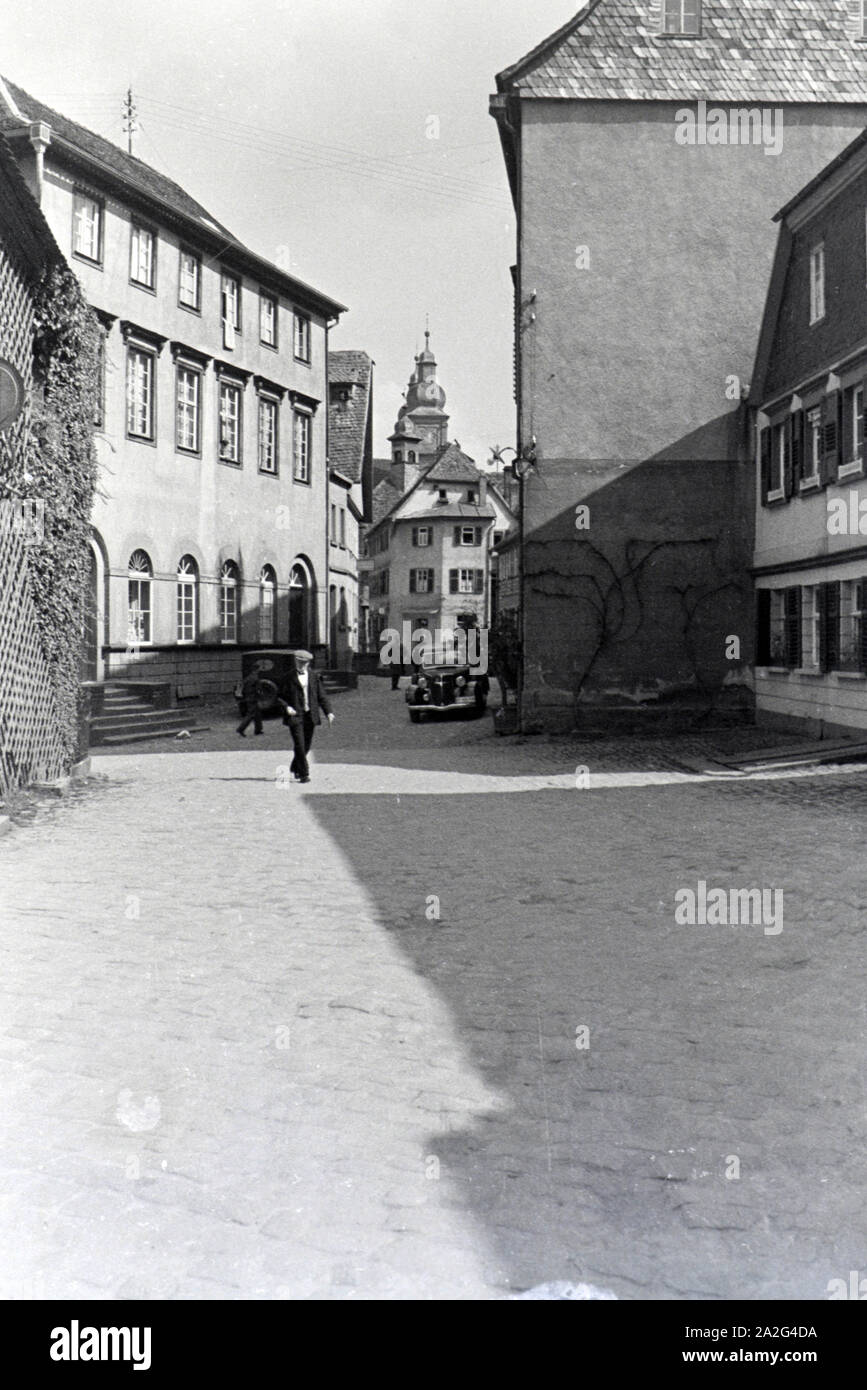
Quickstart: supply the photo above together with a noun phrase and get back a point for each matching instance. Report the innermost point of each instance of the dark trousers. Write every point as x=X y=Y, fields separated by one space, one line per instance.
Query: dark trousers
x=255 y=718
x=301 y=729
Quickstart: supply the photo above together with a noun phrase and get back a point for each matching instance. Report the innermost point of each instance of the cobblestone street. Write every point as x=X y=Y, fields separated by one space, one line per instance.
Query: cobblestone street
x=266 y=1041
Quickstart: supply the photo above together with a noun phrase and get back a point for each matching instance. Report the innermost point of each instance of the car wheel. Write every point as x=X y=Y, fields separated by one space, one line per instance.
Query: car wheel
x=415 y=716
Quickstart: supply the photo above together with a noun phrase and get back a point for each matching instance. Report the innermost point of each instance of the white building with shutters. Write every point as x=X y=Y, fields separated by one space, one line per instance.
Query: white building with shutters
x=210 y=532
x=808 y=397
x=429 y=555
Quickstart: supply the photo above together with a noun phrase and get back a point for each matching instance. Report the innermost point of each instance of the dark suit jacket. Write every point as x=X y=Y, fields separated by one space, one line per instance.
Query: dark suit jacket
x=294 y=696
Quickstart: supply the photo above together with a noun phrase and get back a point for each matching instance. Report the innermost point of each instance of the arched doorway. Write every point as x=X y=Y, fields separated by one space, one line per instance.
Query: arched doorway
x=300 y=632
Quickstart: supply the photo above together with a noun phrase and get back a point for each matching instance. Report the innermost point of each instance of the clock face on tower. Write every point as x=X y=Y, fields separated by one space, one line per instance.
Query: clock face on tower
x=431 y=391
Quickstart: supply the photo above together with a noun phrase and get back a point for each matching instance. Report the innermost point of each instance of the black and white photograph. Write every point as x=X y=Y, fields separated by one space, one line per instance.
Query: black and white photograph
x=433 y=663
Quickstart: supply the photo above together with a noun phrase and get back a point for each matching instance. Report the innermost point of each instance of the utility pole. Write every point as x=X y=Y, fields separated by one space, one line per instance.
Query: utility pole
x=129 y=118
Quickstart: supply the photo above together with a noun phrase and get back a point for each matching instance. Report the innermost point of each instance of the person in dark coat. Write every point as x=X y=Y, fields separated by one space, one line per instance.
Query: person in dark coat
x=396 y=670
x=304 y=699
x=258 y=695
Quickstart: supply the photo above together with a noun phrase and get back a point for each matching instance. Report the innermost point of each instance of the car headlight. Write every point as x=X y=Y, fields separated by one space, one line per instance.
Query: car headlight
x=460 y=682
x=421 y=682
x=426 y=697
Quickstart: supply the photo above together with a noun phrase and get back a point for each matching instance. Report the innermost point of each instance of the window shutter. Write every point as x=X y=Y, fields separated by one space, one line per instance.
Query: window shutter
x=829 y=625
x=480 y=581
x=763 y=626
x=788 y=444
x=797 y=469
x=765 y=445
x=415 y=535
x=430 y=581
x=862 y=609
x=457 y=535
x=830 y=436
x=793 y=627
x=412 y=587
x=453 y=581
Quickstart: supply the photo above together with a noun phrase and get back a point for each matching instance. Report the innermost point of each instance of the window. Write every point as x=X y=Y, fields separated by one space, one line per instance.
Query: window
x=411 y=456
x=853 y=431
x=421 y=535
x=190 y=280
x=343 y=527
x=187 y=583
x=87 y=227
x=229 y=575
x=267 y=594
x=849 y=642
x=421 y=581
x=777 y=653
x=140 y=571
x=379 y=582
x=231 y=310
x=333 y=527
x=267 y=435
x=142 y=257
x=188 y=393
x=442 y=496
x=817 y=283
x=230 y=422
x=466 y=581
x=302 y=337
x=774 y=454
x=468 y=535
x=302 y=447
x=810 y=649
x=140 y=393
x=268 y=320
x=682 y=17
x=472 y=496
x=812 y=447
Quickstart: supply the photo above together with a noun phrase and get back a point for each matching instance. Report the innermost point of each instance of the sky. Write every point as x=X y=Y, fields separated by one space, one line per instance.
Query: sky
x=349 y=141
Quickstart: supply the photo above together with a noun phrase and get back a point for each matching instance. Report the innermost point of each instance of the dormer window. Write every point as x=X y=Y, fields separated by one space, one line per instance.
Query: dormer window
x=442 y=496
x=681 y=17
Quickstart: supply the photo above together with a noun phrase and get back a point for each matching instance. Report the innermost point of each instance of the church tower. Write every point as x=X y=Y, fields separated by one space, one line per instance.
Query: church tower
x=424 y=411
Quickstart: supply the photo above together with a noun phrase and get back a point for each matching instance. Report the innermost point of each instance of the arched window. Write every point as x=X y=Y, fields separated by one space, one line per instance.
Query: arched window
x=139 y=599
x=187 y=599
x=229 y=578
x=267 y=596
x=411 y=456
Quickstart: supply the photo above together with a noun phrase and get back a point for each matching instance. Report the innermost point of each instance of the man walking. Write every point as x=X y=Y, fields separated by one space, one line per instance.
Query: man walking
x=258 y=695
x=304 y=699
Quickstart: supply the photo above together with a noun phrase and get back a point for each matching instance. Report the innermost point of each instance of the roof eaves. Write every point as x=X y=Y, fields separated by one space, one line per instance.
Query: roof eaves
x=542 y=50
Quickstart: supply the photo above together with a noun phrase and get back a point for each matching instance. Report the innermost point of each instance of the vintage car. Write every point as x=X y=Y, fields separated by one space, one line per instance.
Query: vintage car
x=446 y=688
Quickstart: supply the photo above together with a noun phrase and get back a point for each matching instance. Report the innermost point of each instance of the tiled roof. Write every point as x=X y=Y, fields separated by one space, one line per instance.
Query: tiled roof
x=385 y=497
x=347 y=420
x=137 y=176
x=452 y=465
x=749 y=50
x=455 y=511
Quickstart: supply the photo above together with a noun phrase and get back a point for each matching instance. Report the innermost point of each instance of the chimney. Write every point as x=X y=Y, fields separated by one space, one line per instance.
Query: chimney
x=483 y=489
